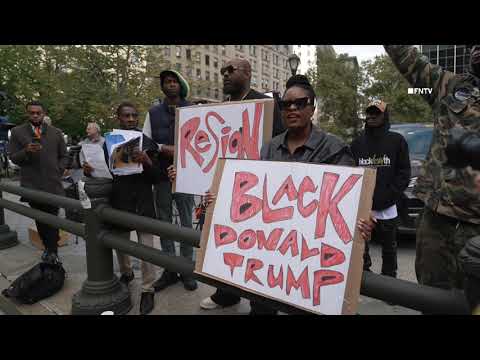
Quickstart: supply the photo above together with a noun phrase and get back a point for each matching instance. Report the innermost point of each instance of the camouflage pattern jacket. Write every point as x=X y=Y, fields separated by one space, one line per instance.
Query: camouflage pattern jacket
x=455 y=101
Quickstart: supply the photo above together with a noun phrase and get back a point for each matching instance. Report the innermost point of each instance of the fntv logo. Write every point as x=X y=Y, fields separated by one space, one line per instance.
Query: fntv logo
x=420 y=91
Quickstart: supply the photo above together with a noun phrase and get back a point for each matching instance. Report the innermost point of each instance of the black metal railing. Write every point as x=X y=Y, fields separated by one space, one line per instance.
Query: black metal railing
x=102 y=291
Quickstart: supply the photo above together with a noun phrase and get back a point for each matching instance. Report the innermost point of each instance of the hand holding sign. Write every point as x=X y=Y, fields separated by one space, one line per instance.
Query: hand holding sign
x=293 y=232
x=208 y=132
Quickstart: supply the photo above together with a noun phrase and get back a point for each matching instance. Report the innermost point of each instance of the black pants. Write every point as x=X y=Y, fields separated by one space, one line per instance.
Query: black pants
x=385 y=232
x=48 y=234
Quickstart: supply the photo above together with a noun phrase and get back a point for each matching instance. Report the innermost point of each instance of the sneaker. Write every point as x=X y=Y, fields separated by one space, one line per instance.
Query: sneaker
x=209 y=304
x=168 y=278
x=147 y=302
x=189 y=283
x=127 y=278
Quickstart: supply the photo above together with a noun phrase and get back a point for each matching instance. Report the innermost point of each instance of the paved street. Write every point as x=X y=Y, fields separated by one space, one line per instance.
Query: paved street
x=172 y=301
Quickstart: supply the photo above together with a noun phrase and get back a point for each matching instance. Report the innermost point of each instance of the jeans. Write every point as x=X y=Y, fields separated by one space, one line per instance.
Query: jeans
x=385 y=232
x=163 y=204
x=47 y=233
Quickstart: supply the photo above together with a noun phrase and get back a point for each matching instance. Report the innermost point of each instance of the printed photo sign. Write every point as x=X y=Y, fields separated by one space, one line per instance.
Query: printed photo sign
x=205 y=133
x=287 y=231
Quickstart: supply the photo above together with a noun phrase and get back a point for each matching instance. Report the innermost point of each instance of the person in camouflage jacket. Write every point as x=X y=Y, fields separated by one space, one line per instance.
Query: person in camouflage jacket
x=452 y=202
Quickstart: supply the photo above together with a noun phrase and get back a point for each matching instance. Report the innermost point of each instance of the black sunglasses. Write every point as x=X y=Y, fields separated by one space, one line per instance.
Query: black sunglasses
x=230 y=69
x=300 y=103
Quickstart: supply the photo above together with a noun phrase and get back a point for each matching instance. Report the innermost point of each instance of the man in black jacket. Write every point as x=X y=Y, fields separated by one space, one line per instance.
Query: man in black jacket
x=133 y=193
x=237 y=75
x=387 y=152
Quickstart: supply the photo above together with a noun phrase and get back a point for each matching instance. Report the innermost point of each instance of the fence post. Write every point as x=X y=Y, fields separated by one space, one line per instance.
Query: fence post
x=8 y=238
x=102 y=291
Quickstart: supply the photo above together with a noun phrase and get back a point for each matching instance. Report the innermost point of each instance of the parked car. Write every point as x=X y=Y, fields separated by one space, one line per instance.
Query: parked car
x=419 y=138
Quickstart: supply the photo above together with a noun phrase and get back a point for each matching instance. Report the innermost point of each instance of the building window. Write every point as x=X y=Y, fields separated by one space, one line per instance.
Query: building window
x=178 y=51
x=253 y=50
x=207 y=60
x=224 y=50
x=275 y=74
x=215 y=77
x=254 y=81
x=207 y=47
x=208 y=92
x=239 y=47
x=264 y=55
x=216 y=93
x=188 y=54
x=254 y=65
x=215 y=49
x=215 y=63
x=166 y=51
x=275 y=47
x=178 y=67
x=189 y=72
x=197 y=56
x=275 y=59
x=207 y=75
x=199 y=74
x=223 y=63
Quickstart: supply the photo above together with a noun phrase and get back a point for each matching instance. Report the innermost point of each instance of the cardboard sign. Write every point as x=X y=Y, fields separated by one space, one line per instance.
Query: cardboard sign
x=287 y=231
x=206 y=133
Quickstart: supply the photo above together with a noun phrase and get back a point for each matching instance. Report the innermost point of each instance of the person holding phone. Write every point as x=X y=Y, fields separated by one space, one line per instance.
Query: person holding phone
x=40 y=151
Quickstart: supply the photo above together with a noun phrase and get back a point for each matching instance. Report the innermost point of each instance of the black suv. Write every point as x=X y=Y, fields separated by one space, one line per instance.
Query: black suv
x=418 y=137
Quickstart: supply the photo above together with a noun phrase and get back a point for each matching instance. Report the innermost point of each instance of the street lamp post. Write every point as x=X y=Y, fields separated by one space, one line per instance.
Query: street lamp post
x=293 y=61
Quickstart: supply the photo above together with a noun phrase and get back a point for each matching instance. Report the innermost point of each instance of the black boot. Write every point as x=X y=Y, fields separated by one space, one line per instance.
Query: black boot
x=189 y=283
x=147 y=302
x=168 y=278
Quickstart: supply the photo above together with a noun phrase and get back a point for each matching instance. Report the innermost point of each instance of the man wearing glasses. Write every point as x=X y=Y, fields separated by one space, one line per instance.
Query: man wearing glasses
x=237 y=75
x=40 y=151
x=160 y=126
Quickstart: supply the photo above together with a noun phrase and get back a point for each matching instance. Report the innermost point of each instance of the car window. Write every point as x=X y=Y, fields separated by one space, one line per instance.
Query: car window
x=418 y=140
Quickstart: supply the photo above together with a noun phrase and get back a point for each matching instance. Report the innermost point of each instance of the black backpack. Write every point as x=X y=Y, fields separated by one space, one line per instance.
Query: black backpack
x=40 y=282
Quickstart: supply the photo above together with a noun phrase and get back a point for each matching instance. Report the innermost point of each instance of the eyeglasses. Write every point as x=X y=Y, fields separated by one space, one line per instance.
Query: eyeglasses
x=127 y=115
x=300 y=103
x=230 y=69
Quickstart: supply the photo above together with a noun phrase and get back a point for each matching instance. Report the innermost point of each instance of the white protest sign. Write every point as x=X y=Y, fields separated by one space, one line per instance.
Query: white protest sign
x=205 y=133
x=287 y=231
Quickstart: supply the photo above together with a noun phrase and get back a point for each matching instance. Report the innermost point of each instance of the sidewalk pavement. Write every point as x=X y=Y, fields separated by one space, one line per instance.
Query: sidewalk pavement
x=174 y=300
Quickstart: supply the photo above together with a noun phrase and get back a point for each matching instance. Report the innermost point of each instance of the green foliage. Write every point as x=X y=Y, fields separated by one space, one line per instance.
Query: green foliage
x=382 y=80
x=78 y=83
x=344 y=91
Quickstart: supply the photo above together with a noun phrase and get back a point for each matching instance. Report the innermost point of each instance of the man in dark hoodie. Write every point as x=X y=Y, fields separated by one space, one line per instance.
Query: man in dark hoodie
x=387 y=152
x=160 y=126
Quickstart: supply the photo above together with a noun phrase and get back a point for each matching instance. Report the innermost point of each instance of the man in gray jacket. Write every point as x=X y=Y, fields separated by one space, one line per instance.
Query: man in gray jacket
x=40 y=151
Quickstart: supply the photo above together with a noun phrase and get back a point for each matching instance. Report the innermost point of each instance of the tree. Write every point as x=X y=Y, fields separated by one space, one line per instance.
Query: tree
x=337 y=85
x=383 y=81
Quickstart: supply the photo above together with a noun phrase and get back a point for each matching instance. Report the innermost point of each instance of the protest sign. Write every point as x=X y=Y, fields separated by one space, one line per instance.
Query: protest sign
x=94 y=156
x=287 y=231
x=205 y=133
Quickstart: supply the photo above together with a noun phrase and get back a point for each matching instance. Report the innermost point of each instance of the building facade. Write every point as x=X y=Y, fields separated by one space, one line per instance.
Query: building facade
x=308 y=55
x=453 y=58
x=201 y=65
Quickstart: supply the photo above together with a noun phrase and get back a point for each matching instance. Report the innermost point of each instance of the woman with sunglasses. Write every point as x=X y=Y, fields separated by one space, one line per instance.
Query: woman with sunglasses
x=302 y=141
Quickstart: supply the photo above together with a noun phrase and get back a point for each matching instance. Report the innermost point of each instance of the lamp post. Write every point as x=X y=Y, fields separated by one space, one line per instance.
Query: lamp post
x=293 y=61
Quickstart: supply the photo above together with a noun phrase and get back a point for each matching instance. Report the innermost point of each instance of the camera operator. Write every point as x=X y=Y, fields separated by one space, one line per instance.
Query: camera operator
x=452 y=200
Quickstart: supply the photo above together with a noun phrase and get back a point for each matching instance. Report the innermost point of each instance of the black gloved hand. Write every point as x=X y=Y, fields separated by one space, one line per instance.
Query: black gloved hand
x=463 y=148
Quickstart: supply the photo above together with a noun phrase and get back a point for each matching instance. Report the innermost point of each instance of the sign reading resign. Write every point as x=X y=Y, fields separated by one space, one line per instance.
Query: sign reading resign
x=205 y=133
x=287 y=231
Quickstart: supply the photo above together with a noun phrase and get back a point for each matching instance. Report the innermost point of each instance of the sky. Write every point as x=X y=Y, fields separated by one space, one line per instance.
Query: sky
x=362 y=52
